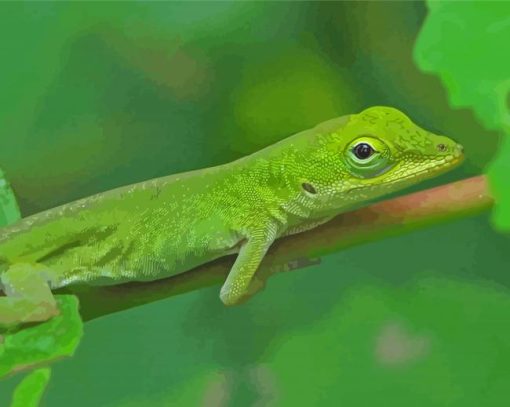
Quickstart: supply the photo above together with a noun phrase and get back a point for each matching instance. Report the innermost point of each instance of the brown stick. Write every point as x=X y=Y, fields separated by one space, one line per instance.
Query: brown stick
x=388 y=218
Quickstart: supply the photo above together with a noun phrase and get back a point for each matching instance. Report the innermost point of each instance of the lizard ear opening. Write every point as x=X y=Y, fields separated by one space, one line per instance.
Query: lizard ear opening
x=309 y=188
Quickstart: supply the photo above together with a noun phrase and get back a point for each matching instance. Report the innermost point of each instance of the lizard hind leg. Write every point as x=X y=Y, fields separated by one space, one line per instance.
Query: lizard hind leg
x=28 y=295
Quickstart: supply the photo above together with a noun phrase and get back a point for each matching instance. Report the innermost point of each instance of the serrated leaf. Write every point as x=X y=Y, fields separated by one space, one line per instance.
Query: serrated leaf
x=466 y=43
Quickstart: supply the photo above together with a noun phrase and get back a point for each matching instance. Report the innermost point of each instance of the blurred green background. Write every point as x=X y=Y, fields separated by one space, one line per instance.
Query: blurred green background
x=98 y=95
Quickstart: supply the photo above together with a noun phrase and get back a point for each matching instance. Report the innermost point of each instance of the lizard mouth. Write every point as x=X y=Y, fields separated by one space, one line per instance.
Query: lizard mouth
x=433 y=169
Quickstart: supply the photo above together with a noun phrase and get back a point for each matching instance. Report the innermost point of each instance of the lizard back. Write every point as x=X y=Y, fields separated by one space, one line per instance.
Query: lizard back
x=139 y=232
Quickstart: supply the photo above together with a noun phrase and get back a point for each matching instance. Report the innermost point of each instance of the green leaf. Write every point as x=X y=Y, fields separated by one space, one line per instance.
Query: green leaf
x=9 y=210
x=466 y=43
x=43 y=343
x=30 y=390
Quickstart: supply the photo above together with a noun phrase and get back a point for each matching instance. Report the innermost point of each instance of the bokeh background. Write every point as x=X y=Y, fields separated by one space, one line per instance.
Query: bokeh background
x=98 y=95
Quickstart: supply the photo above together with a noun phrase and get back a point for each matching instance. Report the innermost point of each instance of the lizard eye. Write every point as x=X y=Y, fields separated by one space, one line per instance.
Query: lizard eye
x=362 y=151
x=367 y=157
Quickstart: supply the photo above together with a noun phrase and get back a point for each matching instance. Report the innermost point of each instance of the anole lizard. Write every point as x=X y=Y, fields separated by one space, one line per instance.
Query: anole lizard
x=165 y=226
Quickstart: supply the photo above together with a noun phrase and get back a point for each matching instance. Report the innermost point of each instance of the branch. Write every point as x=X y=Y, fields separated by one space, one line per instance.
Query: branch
x=389 y=218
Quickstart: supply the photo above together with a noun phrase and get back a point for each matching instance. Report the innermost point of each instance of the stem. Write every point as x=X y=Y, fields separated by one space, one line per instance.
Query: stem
x=389 y=218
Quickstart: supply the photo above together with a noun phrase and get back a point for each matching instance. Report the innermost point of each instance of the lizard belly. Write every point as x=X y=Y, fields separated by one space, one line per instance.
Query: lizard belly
x=118 y=261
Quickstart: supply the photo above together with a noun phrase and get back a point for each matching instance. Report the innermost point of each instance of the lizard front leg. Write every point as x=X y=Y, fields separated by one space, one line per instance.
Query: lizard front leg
x=28 y=295
x=251 y=253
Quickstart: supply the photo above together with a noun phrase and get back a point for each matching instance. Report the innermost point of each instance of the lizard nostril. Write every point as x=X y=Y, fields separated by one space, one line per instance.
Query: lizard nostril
x=441 y=147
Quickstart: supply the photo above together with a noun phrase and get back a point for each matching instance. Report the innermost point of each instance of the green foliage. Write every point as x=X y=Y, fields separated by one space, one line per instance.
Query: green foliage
x=26 y=347
x=465 y=43
x=9 y=211
x=30 y=390
x=44 y=343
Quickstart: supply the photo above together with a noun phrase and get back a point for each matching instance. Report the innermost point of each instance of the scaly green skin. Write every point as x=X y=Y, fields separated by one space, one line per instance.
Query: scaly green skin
x=166 y=226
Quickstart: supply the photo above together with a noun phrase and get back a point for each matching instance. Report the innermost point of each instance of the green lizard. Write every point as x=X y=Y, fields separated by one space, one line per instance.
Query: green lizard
x=168 y=225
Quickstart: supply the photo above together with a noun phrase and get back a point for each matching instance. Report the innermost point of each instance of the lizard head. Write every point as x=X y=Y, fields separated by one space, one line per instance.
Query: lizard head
x=375 y=152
